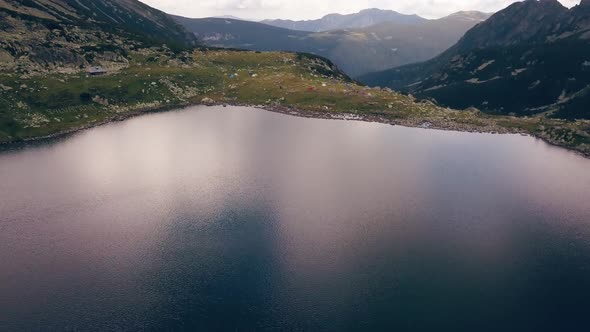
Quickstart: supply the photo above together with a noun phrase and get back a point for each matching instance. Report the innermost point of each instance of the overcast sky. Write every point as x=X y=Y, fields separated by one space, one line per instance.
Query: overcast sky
x=312 y=9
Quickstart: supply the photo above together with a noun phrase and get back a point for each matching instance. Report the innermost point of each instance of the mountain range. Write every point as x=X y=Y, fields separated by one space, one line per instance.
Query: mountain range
x=357 y=51
x=362 y=19
x=531 y=58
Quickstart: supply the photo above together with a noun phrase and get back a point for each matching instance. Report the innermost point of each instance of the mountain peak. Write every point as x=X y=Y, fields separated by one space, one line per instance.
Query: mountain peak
x=470 y=15
x=527 y=21
x=545 y=5
x=369 y=10
x=362 y=19
x=379 y=11
x=549 y=2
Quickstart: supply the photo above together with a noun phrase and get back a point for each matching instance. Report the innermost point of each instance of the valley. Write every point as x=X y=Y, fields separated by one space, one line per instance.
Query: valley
x=357 y=49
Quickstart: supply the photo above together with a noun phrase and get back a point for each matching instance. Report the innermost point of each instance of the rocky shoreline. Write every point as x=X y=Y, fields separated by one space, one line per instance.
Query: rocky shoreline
x=411 y=123
x=459 y=127
x=73 y=130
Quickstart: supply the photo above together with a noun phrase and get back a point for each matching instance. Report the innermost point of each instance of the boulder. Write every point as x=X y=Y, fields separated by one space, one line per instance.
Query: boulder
x=207 y=101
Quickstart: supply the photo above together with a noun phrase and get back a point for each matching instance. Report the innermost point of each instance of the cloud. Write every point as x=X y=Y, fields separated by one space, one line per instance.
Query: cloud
x=311 y=9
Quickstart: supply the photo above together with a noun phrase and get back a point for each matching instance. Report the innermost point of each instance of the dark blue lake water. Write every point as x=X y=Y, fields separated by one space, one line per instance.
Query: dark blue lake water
x=236 y=219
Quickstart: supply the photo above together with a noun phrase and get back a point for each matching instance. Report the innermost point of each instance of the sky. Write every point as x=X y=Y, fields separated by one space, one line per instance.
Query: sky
x=312 y=9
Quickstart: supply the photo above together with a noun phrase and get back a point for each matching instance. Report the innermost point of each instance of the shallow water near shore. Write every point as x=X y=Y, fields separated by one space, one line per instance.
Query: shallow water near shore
x=240 y=219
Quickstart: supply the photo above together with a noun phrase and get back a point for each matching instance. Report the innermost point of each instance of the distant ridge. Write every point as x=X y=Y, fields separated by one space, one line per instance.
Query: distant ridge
x=362 y=19
x=356 y=51
x=231 y=17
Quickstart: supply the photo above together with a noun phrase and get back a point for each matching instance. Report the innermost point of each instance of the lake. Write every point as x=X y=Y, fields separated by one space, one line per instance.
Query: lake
x=237 y=219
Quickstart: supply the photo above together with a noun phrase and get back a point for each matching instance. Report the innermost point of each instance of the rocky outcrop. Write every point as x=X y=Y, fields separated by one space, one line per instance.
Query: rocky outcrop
x=207 y=101
x=58 y=35
x=528 y=59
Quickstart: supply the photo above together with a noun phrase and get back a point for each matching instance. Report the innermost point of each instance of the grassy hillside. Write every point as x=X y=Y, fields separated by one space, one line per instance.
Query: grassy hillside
x=130 y=19
x=48 y=103
x=66 y=36
x=157 y=79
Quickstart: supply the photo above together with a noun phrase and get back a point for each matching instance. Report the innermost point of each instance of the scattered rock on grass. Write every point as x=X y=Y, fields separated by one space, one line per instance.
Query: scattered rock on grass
x=207 y=101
